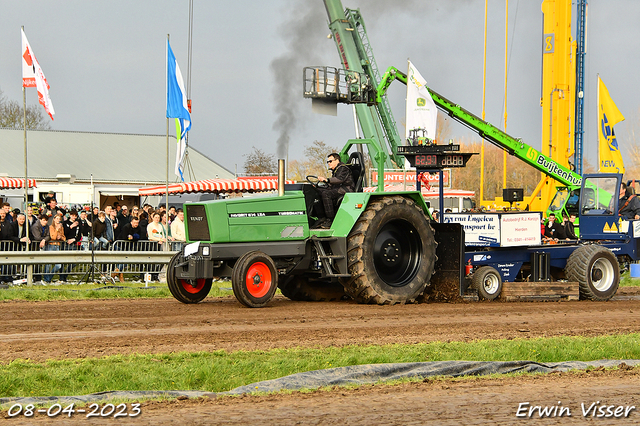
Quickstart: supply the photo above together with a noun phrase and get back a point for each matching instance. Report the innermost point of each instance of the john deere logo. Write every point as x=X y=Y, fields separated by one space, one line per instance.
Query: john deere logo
x=421 y=102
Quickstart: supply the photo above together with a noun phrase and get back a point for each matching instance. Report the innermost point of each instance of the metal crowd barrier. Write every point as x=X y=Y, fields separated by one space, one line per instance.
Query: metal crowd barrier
x=75 y=263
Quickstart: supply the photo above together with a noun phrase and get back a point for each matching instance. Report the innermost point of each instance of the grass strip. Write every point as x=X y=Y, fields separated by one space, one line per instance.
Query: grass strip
x=127 y=290
x=627 y=281
x=131 y=290
x=220 y=370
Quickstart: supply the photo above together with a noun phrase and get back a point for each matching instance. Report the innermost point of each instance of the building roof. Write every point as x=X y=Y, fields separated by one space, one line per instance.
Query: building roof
x=109 y=157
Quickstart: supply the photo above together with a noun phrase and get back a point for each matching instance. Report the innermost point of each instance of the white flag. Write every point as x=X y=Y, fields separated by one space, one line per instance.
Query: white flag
x=32 y=76
x=421 y=110
x=180 y=151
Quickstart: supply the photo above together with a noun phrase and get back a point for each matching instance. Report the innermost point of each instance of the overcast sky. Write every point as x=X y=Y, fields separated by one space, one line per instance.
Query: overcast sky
x=105 y=63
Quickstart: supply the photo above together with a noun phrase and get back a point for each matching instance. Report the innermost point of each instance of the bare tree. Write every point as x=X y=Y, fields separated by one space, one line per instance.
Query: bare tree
x=258 y=163
x=632 y=141
x=316 y=155
x=587 y=167
x=297 y=170
x=12 y=115
x=314 y=163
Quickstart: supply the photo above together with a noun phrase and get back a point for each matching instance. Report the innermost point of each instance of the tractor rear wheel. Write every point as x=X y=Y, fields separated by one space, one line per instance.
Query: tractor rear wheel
x=597 y=271
x=186 y=291
x=488 y=282
x=254 y=279
x=391 y=252
x=304 y=289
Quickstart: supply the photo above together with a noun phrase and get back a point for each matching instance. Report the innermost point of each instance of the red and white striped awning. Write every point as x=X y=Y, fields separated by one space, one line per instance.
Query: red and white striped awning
x=12 y=183
x=215 y=186
x=425 y=193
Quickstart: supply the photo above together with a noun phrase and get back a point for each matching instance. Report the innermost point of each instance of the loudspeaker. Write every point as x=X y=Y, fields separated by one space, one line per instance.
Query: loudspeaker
x=512 y=195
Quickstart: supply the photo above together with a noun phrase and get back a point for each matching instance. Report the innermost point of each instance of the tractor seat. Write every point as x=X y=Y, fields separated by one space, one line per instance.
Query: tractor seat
x=356 y=165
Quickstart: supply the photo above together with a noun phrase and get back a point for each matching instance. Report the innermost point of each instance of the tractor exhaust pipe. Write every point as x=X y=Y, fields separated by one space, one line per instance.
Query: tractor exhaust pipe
x=281 y=177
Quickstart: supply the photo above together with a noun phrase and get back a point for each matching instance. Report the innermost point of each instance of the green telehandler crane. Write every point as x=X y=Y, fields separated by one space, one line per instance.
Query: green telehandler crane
x=365 y=87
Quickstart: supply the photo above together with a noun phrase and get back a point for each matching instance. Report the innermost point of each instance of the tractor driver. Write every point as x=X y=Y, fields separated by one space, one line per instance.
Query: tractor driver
x=338 y=184
x=629 y=205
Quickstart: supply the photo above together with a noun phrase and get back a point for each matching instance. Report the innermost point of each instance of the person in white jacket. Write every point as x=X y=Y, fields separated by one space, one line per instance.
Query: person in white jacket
x=177 y=227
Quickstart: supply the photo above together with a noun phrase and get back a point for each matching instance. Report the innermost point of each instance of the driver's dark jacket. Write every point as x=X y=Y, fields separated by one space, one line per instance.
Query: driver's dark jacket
x=341 y=179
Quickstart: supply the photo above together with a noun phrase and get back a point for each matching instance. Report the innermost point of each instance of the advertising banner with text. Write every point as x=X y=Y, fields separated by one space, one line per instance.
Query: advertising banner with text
x=391 y=178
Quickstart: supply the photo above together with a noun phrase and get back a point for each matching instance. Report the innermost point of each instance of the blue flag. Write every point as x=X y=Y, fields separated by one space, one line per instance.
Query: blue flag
x=177 y=107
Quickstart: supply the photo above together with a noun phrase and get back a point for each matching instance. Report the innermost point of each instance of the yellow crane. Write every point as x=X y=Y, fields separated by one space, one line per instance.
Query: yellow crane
x=557 y=99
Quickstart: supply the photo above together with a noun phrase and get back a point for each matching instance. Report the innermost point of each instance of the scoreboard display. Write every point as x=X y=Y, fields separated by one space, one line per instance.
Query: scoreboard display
x=438 y=161
x=434 y=156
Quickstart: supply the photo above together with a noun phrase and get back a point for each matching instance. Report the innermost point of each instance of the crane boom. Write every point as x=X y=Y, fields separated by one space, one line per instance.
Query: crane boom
x=367 y=90
x=513 y=146
x=350 y=35
x=486 y=130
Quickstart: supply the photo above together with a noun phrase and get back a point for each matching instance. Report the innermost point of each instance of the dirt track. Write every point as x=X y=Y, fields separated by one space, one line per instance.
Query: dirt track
x=94 y=328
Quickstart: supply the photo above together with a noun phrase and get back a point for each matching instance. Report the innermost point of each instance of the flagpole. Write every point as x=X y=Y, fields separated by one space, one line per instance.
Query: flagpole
x=406 y=133
x=26 y=180
x=506 y=69
x=598 y=117
x=166 y=197
x=26 y=174
x=24 y=111
x=185 y=160
x=484 y=86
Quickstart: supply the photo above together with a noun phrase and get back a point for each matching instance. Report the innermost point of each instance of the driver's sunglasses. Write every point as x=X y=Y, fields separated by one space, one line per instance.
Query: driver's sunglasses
x=330 y=161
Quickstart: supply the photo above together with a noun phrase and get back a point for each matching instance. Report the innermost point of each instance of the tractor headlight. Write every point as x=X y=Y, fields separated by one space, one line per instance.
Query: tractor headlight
x=205 y=251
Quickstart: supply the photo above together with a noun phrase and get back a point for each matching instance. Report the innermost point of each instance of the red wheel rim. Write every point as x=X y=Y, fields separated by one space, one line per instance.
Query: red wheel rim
x=258 y=279
x=193 y=289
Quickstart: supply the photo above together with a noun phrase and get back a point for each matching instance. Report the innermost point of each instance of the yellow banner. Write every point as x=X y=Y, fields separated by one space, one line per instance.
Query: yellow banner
x=608 y=116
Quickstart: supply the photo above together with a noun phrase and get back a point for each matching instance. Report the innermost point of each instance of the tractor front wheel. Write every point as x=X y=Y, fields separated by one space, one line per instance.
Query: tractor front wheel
x=254 y=279
x=186 y=291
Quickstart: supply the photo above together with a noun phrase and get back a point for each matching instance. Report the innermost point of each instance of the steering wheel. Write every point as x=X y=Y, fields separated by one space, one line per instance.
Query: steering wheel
x=313 y=180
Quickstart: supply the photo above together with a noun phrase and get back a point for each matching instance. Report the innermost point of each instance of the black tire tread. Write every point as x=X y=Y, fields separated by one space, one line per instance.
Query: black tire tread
x=577 y=269
x=176 y=288
x=477 y=282
x=358 y=286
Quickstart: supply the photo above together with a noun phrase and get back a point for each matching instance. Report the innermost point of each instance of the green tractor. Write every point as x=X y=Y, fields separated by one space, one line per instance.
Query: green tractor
x=380 y=249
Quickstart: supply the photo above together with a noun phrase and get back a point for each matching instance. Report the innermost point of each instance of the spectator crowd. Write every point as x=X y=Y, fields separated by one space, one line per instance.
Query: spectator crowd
x=53 y=228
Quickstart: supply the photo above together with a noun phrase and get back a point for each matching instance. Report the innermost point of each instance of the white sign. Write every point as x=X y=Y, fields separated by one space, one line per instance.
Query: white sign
x=479 y=229
x=498 y=229
x=522 y=229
